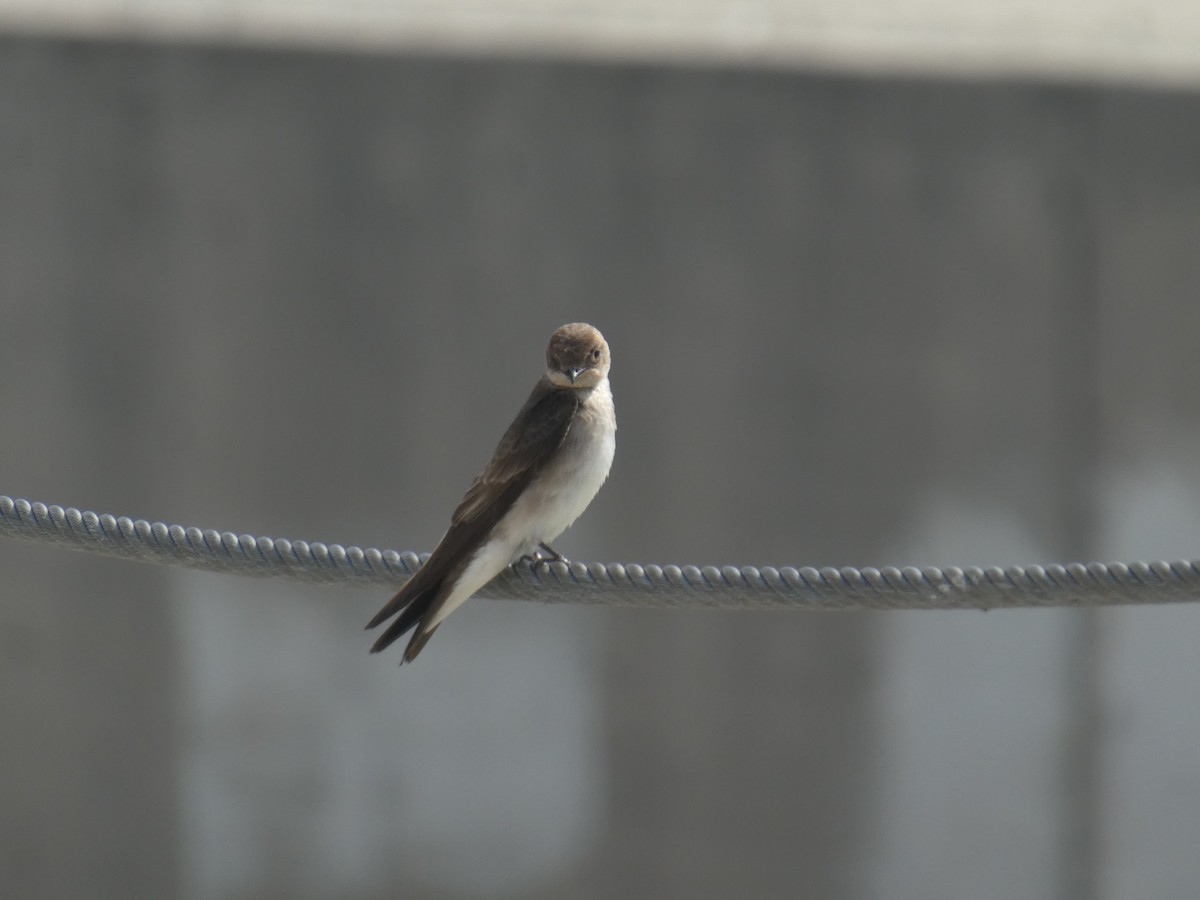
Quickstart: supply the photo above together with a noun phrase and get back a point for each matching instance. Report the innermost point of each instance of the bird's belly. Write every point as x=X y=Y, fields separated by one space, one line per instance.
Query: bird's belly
x=561 y=492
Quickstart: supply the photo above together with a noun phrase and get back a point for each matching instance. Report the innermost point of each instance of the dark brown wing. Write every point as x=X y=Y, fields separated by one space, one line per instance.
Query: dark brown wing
x=537 y=431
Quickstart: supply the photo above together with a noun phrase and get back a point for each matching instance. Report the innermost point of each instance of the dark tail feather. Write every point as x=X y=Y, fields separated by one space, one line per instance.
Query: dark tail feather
x=412 y=606
x=419 y=639
x=390 y=608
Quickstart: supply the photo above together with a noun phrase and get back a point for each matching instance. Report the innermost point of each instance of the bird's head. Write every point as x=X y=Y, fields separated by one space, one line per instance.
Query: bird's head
x=577 y=357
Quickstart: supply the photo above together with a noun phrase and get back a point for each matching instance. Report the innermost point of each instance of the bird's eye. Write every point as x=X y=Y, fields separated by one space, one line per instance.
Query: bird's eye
x=596 y=354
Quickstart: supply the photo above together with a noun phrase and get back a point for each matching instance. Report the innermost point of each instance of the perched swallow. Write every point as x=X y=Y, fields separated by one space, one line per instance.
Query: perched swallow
x=545 y=471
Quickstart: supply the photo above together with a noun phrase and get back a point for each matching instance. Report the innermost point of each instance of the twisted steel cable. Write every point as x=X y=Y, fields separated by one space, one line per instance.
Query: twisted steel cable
x=729 y=587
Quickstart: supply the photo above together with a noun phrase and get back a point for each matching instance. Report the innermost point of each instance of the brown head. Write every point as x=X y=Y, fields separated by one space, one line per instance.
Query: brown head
x=577 y=357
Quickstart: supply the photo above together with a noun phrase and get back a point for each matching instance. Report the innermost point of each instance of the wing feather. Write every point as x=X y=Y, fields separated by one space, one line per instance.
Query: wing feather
x=538 y=430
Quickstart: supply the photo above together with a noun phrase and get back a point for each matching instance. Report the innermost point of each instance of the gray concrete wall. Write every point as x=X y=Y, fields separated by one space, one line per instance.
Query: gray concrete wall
x=853 y=322
x=1130 y=41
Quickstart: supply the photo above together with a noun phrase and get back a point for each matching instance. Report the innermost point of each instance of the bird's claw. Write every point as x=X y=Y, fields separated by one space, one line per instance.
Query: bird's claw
x=552 y=555
x=543 y=554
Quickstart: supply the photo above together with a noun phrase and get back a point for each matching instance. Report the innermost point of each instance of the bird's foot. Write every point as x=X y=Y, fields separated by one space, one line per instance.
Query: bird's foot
x=544 y=554
x=552 y=555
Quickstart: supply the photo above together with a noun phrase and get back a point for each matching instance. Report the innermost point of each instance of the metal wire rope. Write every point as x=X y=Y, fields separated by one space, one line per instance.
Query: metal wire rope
x=730 y=587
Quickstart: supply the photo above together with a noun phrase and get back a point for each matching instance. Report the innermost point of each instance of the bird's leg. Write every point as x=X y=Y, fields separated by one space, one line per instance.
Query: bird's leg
x=554 y=555
x=544 y=554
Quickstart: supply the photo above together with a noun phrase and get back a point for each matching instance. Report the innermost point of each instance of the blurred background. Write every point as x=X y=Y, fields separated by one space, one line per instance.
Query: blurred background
x=885 y=283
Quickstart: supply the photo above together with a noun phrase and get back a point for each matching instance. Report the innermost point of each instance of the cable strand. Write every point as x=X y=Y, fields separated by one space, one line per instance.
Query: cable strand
x=616 y=584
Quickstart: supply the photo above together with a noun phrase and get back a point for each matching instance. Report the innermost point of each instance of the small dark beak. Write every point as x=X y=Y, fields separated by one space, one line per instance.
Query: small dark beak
x=575 y=373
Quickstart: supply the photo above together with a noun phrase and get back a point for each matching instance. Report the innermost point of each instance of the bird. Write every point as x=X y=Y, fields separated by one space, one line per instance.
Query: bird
x=547 y=468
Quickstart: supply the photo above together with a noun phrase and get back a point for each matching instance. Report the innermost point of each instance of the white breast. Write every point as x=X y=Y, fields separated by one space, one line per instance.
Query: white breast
x=551 y=502
x=565 y=488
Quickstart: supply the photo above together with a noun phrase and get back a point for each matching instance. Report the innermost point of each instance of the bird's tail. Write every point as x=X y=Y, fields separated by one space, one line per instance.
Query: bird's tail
x=420 y=637
x=411 y=602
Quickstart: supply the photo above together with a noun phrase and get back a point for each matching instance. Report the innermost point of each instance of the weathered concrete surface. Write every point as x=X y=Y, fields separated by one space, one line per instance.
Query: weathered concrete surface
x=1126 y=41
x=853 y=322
